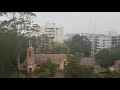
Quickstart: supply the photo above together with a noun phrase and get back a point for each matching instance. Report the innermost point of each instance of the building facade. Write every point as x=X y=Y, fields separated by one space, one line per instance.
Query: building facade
x=35 y=61
x=115 y=40
x=102 y=42
x=52 y=31
x=98 y=42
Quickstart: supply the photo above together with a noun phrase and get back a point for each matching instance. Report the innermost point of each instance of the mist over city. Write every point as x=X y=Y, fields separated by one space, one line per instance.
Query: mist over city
x=82 y=22
x=59 y=44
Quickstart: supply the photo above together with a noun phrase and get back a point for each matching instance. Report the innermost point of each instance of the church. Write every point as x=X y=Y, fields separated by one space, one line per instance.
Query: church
x=34 y=61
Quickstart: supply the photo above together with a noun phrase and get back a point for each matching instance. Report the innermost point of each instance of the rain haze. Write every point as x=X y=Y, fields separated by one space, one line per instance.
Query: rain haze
x=82 y=22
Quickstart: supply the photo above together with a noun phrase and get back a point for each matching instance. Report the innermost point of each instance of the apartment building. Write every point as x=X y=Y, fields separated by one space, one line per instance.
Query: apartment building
x=52 y=31
x=115 y=40
x=98 y=41
x=102 y=42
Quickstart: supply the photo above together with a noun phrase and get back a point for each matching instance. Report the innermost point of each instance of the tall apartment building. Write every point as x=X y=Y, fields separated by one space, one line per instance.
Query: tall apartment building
x=102 y=42
x=98 y=41
x=52 y=31
x=115 y=40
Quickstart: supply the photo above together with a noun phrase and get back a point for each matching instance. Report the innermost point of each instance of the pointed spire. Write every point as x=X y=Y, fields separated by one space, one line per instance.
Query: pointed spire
x=30 y=44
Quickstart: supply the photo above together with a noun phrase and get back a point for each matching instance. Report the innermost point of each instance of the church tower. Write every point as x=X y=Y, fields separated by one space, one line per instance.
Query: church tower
x=30 y=59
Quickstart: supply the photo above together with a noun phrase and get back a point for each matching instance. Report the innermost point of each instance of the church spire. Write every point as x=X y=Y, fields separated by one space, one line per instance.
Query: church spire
x=30 y=44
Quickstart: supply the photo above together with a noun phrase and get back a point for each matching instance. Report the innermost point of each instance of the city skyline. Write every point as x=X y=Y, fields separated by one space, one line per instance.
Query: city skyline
x=82 y=22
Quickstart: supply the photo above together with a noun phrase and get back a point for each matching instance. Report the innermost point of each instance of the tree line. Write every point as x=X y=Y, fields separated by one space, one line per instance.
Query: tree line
x=15 y=34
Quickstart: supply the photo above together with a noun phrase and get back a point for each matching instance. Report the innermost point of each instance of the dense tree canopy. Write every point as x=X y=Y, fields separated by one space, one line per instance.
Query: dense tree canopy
x=48 y=69
x=108 y=56
x=60 y=48
x=13 y=39
x=74 y=70
x=79 y=44
x=42 y=44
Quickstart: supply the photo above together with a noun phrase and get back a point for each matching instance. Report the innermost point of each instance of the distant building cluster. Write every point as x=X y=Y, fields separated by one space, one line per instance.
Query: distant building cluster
x=54 y=32
x=101 y=41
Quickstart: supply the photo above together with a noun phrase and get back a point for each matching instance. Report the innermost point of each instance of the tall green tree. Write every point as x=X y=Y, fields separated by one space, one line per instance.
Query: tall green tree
x=108 y=56
x=61 y=48
x=79 y=44
x=74 y=70
x=103 y=57
x=13 y=39
x=43 y=44
x=48 y=69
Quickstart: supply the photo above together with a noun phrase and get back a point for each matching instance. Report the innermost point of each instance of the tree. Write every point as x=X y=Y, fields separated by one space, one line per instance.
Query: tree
x=12 y=40
x=48 y=69
x=61 y=48
x=43 y=44
x=103 y=57
x=108 y=56
x=20 y=22
x=72 y=69
x=79 y=44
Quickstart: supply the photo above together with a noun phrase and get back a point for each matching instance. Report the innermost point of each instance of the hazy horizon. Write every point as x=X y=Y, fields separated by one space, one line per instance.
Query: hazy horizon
x=82 y=22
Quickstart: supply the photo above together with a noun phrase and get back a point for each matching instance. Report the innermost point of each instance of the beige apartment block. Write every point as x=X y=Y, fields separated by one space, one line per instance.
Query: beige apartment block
x=52 y=31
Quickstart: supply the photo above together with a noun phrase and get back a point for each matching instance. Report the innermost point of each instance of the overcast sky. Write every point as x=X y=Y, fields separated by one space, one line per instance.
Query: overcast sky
x=82 y=22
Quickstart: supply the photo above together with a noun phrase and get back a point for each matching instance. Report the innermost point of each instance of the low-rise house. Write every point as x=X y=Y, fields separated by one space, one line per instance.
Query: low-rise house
x=116 y=66
x=92 y=63
x=99 y=69
x=88 y=61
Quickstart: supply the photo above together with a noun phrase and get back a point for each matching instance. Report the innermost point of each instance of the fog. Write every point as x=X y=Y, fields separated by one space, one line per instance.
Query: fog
x=82 y=22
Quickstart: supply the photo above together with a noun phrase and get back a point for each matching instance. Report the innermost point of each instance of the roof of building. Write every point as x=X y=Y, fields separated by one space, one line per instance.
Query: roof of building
x=56 y=58
x=117 y=61
x=88 y=61
x=101 y=69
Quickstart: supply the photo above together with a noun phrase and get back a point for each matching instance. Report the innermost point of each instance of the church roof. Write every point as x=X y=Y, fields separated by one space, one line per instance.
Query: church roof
x=88 y=61
x=117 y=61
x=56 y=58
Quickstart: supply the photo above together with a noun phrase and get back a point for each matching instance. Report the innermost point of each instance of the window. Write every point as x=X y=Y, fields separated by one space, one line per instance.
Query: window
x=29 y=53
x=38 y=65
x=24 y=66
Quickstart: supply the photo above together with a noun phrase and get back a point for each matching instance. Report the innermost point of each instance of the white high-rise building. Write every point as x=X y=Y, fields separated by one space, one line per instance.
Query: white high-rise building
x=52 y=31
x=102 y=41
x=98 y=42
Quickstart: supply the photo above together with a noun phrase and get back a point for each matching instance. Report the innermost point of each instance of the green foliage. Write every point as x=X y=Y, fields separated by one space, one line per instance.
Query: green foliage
x=61 y=48
x=18 y=21
x=103 y=57
x=107 y=56
x=78 y=43
x=112 y=75
x=43 y=44
x=48 y=69
x=45 y=74
x=13 y=40
x=74 y=70
x=17 y=75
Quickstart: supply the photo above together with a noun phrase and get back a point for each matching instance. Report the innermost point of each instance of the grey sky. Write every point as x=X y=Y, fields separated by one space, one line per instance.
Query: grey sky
x=82 y=22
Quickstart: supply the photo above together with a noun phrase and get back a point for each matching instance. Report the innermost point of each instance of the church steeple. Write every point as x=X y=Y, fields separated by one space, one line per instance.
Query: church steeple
x=30 y=58
x=30 y=44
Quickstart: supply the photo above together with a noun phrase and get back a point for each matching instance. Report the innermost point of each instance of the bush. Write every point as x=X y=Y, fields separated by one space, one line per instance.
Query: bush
x=17 y=75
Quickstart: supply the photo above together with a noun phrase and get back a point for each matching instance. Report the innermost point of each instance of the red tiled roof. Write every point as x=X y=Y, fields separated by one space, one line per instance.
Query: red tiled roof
x=56 y=58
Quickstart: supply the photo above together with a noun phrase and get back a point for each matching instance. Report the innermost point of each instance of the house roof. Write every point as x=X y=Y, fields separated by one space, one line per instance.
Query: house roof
x=117 y=61
x=88 y=61
x=56 y=58
x=101 y=69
